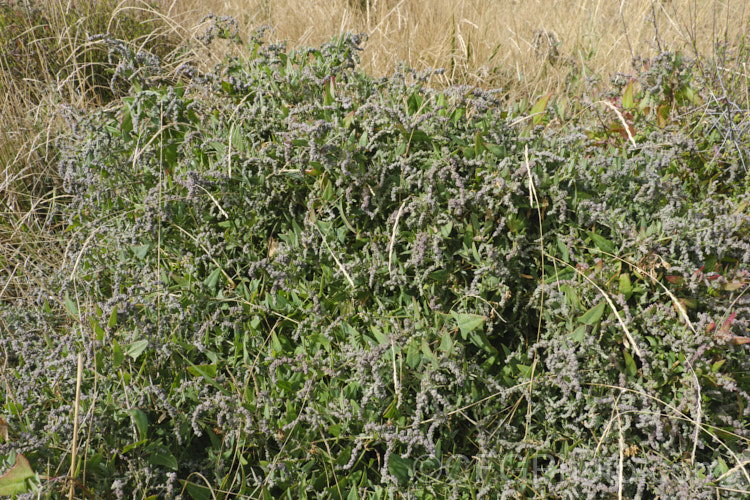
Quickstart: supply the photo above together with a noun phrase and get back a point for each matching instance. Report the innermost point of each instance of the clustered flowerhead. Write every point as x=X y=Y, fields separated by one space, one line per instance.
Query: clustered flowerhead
x=300 y=275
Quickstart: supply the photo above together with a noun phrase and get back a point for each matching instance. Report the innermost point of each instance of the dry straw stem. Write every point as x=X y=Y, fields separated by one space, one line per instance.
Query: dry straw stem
x=74 y=452
x=679 y=415
x=486 y=42
x=630 y=340
x=46 y=77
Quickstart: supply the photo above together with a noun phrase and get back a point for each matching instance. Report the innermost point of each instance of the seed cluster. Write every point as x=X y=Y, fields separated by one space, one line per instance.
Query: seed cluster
x=302 y=279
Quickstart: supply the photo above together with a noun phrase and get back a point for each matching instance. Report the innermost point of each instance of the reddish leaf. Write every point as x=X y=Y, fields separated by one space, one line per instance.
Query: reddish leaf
x=662 y=115
x=627 y=96
x=728 y=323
x=14 y=481
x=737 y=340
x=733 y=285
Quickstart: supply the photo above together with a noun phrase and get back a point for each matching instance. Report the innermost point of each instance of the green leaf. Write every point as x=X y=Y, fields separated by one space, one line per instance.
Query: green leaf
x=418 y=135
x=202 y=370
x=348 y=119
x=439 y=275
x=140 y=419
x=133 y=446
x=117 y=355
x=578 y=333
x=625 y=287
x=593 y=315
x=164 y=458
x=136 y=348
x=480 y=340
x=412 y=355
x=330 y=92
x=126 y=125
x=140 y=251
x=213 y=279
x=276 y=343
x=602 y=243
x=14 y=482
x=538 y=110
x=524 y=369
x=627 y=96
x=414 y=102
x=563 y=250
x=467 y=323
x=400 y=468
x=630 y=367
x=733 y=285
x=379 y=336
x=391 y=411
x=446 y=343
x=721 y=467
x=98 y=330
x=71 y=306
x=426 y=351
x=112 y=318
x=479 y=144
x=199 y=492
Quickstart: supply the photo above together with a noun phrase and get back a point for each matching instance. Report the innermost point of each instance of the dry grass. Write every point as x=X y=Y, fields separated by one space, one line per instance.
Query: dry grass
x=50 y=71
x=533 y=43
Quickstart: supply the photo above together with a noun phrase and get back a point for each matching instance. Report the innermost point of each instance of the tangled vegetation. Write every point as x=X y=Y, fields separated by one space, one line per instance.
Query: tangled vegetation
x=287 y=279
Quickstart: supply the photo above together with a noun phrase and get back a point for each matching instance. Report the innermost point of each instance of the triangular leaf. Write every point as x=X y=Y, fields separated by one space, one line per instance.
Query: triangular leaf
x=136 y=348
x=446 y=343
x=202 y=370
x=602 y=243
x=71 y=306
x=213 y=279
x=593 y=315
x=14 y=482
x=112 y=318
x=468 y=322
x=199 y=492
x=164 y=458
x=630 y=366
x=578 y=333
x=140 y=251
x=539 y=108
x=141 y=422
x=625 y=286
x=627 y=96
x=524 y=369
x=400 y=468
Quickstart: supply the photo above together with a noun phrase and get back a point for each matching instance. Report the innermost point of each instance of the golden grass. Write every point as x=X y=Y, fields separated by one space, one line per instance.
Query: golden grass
x=50 y=71
x=488 y=42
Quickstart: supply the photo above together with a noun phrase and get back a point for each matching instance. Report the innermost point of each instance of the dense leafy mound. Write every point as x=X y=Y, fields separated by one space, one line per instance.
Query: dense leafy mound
x=288 y=278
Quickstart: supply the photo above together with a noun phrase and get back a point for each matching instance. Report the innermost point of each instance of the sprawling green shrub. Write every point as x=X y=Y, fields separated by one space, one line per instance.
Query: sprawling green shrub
x=289 y=279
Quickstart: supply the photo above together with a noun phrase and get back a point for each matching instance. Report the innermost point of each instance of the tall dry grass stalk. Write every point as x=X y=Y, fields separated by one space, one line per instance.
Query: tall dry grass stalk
x=535 y=43
x=50 y=70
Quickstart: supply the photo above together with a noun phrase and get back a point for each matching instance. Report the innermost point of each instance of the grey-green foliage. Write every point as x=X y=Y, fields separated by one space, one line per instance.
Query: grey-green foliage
x=302 y=280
